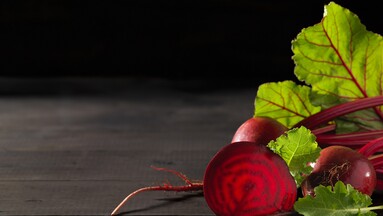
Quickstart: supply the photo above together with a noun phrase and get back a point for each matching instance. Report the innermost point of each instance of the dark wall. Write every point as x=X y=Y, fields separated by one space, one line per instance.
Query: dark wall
x=183 y=40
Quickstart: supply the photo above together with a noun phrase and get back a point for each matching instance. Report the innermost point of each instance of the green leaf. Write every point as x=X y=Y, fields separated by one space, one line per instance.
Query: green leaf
x=339 y=57
x=298 y=148
x=341 y=200
x=284 y=101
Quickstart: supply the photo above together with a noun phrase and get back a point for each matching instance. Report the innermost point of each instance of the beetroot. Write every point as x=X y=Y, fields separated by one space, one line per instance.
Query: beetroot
x=248 y=179
x=339 y=163
x=259 y=130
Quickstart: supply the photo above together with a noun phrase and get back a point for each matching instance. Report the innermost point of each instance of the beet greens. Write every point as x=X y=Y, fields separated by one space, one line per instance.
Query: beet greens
x=342 y=99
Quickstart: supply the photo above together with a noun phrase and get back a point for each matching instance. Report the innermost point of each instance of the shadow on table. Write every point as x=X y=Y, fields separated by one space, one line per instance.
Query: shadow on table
x=168 y=201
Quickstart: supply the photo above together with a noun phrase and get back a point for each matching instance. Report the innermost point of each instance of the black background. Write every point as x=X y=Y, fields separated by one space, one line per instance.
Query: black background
x=230 y=42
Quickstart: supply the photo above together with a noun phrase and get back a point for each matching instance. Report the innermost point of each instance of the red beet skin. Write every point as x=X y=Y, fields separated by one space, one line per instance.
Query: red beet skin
x=339 y=163
x=247 y=180
x=259 y=130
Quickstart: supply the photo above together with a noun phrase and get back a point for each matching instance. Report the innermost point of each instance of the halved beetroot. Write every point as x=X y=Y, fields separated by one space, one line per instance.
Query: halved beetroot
x=247 y=179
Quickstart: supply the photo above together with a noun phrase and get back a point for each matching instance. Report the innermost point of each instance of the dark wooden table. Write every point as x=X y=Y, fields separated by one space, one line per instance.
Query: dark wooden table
x=79 y=146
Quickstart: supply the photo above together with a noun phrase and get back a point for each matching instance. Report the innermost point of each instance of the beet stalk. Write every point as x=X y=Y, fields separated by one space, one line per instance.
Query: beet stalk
x=331 y=113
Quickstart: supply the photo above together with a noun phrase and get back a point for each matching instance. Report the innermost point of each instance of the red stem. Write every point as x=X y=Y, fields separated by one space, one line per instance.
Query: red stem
x=339 y=110
x=372 y=147
x=189 y=186
x=356 y=139
x=324 y=129
x=377 y=161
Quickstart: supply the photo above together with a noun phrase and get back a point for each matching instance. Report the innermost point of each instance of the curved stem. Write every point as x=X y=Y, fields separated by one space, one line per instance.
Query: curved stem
x=324 y=129
x=377 y=161
x=372 y=147
x=354 y=140
x=339 y=110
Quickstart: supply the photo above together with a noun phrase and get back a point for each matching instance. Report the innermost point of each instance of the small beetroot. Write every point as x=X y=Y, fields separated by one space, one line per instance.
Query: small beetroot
x=259 y=130
x=339 y=163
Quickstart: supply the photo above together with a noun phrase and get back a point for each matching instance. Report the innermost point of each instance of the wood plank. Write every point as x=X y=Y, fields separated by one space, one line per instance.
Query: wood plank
x=150 y=121
x=92 y=198
x=79 y=154
x=100 y=165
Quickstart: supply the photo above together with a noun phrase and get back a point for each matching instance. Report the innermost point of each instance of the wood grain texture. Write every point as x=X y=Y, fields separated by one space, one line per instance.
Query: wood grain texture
x=79 y=149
